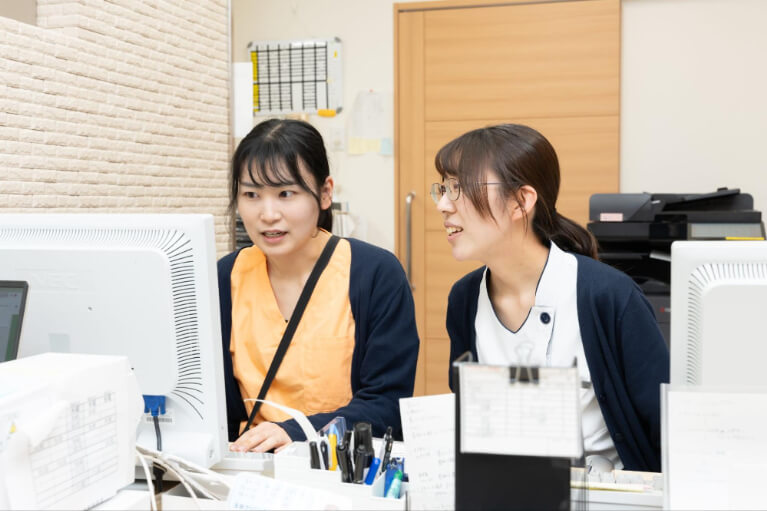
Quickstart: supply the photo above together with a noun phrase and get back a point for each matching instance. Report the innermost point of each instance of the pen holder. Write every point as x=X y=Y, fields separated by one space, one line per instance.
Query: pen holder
x=292 y=464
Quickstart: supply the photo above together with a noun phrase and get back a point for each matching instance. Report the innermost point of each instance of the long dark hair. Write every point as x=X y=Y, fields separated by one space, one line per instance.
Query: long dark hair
x=273 y=151
x=520 y=156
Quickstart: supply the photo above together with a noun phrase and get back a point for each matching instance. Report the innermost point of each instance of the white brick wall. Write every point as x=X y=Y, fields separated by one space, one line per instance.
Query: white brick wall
x=116 y=106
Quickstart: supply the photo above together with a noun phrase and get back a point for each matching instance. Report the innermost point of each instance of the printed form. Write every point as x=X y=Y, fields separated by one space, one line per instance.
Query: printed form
x=540 y=418
x=73 y=420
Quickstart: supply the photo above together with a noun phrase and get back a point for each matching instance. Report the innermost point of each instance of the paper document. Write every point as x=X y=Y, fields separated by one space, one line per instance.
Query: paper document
x=242 y=98
x=714 y=445
x=428 y=428
x=371 y=123
x=76 y=450
x=520 y=418
x=251 y=491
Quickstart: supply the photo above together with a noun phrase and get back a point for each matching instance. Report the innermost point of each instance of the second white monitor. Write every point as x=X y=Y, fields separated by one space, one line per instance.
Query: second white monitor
x=718 y=312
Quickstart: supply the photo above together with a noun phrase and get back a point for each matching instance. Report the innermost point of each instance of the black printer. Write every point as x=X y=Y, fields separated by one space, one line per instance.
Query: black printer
x=635 y=232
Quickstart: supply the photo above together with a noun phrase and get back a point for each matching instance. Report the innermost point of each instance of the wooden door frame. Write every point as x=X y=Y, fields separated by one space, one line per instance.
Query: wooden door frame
x=409 y=155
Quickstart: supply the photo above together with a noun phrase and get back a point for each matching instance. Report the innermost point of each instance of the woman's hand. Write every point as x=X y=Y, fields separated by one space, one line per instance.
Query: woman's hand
x=264 y=437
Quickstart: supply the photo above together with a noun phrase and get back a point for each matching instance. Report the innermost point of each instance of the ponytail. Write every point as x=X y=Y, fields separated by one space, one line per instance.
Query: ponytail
x=567 y=234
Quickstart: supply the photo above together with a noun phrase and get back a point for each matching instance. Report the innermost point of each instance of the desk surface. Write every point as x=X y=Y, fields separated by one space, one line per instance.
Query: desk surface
x=135 y=499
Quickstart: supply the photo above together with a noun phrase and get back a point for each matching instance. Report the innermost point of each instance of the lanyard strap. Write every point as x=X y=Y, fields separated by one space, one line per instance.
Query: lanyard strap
x=295 y=318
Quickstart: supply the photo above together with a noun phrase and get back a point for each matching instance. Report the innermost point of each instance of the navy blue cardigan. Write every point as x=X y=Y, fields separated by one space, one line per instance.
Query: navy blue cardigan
x=385 y=348
x=625 y=352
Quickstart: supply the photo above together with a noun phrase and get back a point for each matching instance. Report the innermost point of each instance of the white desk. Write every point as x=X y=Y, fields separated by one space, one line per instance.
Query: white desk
x=135 y=498
x=601 y=500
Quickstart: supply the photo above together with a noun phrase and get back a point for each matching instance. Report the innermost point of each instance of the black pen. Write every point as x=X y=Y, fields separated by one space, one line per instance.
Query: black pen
x=387 y=445
x=314 y=457
x=324 y=452
x=361 y=460
x=344 y=458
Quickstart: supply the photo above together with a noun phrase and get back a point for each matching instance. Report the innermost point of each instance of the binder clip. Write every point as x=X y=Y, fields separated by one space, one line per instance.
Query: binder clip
x=516 y=374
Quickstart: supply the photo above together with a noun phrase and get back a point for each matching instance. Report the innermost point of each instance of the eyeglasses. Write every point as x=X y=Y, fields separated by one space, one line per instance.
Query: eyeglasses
x=451 y=187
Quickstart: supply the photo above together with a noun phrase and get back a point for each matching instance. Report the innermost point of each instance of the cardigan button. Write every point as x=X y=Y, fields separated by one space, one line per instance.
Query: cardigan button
x=618 y=437
x=601 y=397
x=545 y=318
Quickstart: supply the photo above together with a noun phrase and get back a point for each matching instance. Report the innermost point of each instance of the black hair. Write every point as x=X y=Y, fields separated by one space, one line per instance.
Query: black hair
x=520 y=156
x=273 y=153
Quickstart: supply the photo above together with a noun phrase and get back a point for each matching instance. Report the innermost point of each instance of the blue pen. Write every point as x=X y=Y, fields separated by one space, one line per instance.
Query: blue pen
x=388 y=478
x=372 y=471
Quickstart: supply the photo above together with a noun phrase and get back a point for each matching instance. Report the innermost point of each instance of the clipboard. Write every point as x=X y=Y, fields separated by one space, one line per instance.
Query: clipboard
x=504 y=476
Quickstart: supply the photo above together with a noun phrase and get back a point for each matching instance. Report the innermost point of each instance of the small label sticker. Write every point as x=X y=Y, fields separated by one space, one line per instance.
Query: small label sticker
x=166 y=418
x=611 y=217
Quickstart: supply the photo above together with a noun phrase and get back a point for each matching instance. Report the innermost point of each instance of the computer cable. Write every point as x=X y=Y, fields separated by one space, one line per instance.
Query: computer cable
x=181 y=477
x=152 y=503
x=156 y=469
x=190 y=473
x=199 y=472
x=155 y=405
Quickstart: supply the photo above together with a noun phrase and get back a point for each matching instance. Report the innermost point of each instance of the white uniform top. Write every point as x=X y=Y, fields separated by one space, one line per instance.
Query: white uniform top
x=550 y=336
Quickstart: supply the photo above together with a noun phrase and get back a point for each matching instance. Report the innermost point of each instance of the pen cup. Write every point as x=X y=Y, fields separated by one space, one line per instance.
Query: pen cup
x=291 y=465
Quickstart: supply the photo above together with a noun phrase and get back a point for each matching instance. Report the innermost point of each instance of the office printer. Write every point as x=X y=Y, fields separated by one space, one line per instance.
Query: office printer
x=635 y=232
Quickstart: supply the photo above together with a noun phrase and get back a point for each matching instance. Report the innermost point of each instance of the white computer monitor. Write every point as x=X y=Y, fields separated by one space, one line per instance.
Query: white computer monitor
x=143 y=286
x=718 y=312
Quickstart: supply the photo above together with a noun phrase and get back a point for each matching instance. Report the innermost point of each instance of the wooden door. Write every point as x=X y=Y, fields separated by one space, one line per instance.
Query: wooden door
x=459 y=65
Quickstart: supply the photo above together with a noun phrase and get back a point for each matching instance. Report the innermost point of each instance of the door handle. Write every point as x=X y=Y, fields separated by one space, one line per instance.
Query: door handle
x=409 y=239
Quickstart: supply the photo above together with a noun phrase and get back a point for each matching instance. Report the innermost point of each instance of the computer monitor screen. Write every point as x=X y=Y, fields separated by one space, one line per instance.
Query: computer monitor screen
x=13 y=295
x=143 y=286
x=718 y=312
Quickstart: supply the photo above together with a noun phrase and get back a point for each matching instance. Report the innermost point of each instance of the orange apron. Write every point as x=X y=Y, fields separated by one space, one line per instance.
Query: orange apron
x=315 y=375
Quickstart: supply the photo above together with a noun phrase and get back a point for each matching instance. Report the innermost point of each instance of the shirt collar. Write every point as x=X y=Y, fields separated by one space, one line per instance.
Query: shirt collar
x=548 y=292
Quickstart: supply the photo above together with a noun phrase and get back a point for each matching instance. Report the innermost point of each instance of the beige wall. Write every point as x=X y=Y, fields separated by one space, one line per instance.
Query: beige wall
x=693 y=100
x=19 y=10
x=692 y=91
x=116 y=106
x=366 y=28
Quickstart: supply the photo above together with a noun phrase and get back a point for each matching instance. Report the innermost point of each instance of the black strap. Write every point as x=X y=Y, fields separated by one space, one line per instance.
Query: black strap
x=295 y=318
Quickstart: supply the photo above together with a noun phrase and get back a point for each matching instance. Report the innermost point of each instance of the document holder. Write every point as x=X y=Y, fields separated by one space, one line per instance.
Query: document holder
x=508 y=481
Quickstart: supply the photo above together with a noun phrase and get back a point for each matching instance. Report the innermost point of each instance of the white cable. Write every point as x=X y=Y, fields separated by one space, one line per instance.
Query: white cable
x=196 y=468
x=187 y=477
x=203 y=474
x=184 y=474
x=190 y=468
x=182 y=480
x=148 y=480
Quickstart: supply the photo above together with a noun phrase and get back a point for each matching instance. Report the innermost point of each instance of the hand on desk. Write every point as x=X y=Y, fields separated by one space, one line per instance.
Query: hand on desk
x=264 y=437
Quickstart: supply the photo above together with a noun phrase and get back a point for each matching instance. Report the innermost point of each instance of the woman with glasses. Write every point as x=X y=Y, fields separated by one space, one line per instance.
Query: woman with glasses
x=354 y=348
x=542 y=298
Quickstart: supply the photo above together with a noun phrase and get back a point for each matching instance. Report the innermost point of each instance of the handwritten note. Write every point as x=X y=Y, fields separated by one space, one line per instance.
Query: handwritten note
x=428 y=428
x=715 y=446
x=533 y=419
